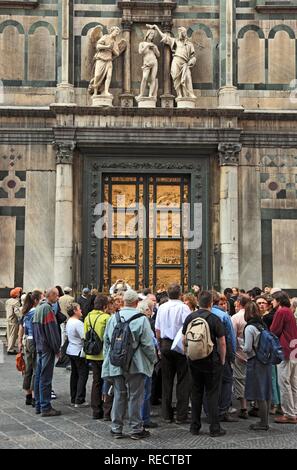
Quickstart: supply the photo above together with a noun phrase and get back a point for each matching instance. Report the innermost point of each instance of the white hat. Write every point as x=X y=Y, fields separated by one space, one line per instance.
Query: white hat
x=130 y=296
x=67 y=289
x=274 y=290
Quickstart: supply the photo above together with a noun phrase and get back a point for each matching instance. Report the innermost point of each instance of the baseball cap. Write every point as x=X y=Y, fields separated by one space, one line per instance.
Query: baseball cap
x=86 y=290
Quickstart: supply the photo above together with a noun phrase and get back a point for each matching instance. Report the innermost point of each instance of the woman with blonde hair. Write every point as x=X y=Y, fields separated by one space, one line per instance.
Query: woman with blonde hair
x=191 y=301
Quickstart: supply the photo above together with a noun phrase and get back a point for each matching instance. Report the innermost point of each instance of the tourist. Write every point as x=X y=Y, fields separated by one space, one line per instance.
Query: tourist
x=93 y=295
x=206 y=374
x=129 y=385
x=170 y=319
x=266 y=289
x=263 y=305
x=239 y=366
x=47 y=338
x=294 y=307
x=284 y=326
x=118 y=302
x=26 y=343
x=258 y=375
x=111 y=308
x=12 y=308
x=223 y=303
x=97 y=319
x=119 y=286
x=64 y=302
x=146 y=307
x=79 y=367
x=84 y=300
x=268 y=319
x=191 y=301
x=225 y=397
x=228 y=293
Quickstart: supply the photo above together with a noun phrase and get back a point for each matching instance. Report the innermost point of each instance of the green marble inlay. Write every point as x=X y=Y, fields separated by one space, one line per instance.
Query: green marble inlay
x=89 y=26
x=95 y=14
x=18 y=25
x=42 y=24
x=23 y=12
x=264 y=177
x=202 y=26
x=195 y=15
x=251 y=27
x=281 y=27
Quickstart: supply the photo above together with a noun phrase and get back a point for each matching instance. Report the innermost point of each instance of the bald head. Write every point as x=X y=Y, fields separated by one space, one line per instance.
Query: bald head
x=52 y=295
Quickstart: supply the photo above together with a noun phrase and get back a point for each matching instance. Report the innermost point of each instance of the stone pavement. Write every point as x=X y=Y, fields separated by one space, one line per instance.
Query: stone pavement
x=20 y=428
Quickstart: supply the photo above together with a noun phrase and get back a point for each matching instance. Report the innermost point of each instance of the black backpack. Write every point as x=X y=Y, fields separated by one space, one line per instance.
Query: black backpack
x=121 y=347
x=92 y=344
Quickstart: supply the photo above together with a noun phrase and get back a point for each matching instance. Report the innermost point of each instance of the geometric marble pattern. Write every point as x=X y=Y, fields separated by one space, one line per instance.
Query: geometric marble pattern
x=279 y=184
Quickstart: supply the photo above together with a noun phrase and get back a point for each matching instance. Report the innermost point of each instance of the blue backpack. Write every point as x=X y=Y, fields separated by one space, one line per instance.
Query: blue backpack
x=269 y=350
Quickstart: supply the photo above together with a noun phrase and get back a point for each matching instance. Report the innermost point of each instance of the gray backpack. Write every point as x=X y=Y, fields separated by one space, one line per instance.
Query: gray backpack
x=198 y=340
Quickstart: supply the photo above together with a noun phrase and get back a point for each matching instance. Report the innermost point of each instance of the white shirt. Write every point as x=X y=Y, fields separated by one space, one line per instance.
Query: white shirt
x=75 y=334
x=170 y=318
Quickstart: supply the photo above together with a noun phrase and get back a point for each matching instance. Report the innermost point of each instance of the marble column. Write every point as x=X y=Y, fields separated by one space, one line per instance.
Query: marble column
x=126 y=98
x=65 y=88
x=228 y=93
x=63 y=252
x=229 y=243
x=167 y=99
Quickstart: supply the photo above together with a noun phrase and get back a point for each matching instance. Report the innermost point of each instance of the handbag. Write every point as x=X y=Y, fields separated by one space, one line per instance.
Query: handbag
x=20 y=363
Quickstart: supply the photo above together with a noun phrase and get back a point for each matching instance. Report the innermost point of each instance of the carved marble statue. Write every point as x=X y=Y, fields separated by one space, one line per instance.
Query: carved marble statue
x=107 y=49
x=183 y=60
x=150 y=54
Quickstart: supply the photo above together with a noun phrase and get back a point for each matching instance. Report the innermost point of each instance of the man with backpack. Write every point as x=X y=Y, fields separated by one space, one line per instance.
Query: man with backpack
x=129 y=357
x=205 y=346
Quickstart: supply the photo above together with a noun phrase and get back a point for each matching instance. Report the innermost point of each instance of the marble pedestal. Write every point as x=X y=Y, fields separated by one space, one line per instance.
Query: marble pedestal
x=126 y=100
x=102 y=100
x=229 y=97
x=186 y=102
x=146 y=102
x=65 y=94
x=167 y=101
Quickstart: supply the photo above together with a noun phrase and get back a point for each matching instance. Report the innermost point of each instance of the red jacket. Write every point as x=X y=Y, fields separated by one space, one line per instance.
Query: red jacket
x=284 y=326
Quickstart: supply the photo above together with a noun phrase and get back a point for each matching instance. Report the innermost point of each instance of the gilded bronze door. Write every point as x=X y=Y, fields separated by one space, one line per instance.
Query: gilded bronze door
x=144 y=242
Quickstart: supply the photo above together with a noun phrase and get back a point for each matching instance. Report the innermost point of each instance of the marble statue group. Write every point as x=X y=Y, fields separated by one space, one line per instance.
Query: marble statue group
x=107 y=47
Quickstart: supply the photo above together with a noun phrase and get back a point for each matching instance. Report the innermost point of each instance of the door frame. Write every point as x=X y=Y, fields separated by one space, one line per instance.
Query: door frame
x=167 y=162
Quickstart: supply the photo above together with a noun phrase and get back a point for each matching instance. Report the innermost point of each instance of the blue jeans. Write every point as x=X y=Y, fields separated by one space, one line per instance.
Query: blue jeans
x=43 y=380
x=276 y=400
x=146 y=406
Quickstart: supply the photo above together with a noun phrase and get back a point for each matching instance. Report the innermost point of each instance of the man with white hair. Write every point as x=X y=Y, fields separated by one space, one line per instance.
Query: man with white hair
x=129 y=384
x=47 y=339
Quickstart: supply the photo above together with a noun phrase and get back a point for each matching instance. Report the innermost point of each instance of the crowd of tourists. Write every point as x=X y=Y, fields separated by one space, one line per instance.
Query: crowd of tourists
x=201 y=350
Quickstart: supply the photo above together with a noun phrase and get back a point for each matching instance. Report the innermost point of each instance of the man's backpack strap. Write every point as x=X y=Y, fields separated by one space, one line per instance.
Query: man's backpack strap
x=137 y=315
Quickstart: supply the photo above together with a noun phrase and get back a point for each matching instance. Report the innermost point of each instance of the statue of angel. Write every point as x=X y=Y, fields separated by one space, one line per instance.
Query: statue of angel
x=107 y=49
x=150 y=54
